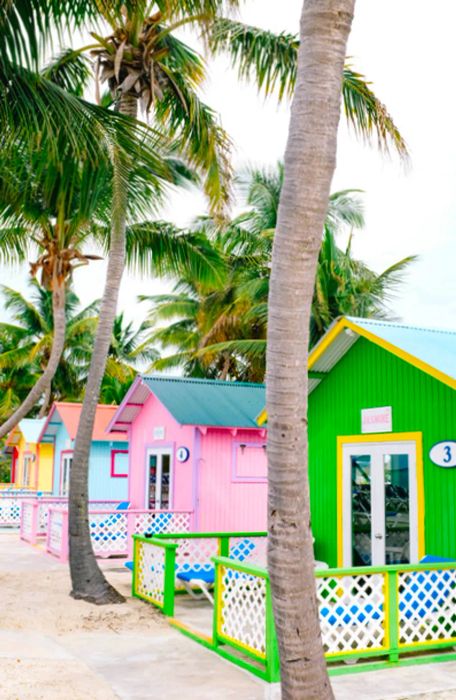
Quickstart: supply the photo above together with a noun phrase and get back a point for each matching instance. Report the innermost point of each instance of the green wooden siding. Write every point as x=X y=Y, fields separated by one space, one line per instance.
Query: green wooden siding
x=366 y=377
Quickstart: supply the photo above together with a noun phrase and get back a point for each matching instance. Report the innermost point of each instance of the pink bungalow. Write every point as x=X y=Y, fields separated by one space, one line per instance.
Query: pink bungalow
x=195 y=445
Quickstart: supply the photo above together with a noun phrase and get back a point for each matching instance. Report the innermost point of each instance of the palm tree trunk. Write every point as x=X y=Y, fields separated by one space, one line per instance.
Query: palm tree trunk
x=43 y=384
x=88 y=581
x=46 y=401
x=309 y=165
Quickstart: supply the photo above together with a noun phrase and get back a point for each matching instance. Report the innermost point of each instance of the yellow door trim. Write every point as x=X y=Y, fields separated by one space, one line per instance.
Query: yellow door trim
x=417 y=438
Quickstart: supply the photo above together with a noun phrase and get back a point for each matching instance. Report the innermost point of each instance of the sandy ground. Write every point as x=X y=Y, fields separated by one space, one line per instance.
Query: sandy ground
x=55 y=648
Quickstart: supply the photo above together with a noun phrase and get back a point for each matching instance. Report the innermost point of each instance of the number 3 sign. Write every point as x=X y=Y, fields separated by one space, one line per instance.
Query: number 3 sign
x=444 y=453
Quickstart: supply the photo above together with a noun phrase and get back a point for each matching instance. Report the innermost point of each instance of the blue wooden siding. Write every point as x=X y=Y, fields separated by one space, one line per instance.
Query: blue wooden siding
x=101 y=484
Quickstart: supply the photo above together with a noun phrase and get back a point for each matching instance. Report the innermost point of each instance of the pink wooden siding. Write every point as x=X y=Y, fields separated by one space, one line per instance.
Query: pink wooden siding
x=225 y=503
x=154 y=415
x=223 y=481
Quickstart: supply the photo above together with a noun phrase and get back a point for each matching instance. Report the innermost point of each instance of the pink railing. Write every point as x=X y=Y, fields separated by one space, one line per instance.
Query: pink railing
x=35 y=514
x=11 y=507
x=111 y=531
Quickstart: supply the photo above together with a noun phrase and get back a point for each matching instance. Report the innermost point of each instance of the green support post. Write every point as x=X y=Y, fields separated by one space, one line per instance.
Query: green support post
x=217 y=611
x=272 y=647
x=392 y=613
x=170 y=567
x=224 y=546
x=135 y=568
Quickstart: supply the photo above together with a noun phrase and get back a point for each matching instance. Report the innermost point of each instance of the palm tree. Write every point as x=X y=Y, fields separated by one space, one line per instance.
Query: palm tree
x=32 y=332
x=38 y=109
x=310 y=160
x=141 y=61
x=220 y=331
x=50 y=207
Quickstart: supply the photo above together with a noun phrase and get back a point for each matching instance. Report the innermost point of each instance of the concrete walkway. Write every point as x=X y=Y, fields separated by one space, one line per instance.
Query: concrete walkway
x=153 y=661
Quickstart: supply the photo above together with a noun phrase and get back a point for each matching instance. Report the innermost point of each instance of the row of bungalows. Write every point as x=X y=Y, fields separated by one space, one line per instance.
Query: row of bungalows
x=382 y=446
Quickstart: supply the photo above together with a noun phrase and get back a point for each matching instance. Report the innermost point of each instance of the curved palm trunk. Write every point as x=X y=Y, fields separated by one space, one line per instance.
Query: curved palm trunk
x=309 y=166
x=43 y=385
x=47 y=400
x=88 y=581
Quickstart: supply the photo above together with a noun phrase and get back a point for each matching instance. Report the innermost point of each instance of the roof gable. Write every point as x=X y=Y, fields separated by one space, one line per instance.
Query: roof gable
x=205 y=402
x=67 y=414
x=431 y=350
x=29 y=428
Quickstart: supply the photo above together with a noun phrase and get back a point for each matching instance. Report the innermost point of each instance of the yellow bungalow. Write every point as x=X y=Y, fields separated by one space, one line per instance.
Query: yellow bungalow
x=31 y=462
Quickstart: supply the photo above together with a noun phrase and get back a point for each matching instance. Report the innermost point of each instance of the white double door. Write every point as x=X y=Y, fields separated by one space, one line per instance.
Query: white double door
x=379 y=504
x=159 y=479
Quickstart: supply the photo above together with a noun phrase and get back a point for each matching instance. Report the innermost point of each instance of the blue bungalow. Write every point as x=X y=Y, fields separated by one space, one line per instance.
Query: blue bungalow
x=108 y=465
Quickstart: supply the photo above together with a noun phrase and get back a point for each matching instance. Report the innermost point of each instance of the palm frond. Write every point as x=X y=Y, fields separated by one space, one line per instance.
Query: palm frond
x=70 y=70
x=270 y=60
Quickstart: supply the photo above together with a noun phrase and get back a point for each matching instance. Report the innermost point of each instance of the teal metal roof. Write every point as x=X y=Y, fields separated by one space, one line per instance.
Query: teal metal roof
x=205 y=402
x=435 y=347
x=209 y=402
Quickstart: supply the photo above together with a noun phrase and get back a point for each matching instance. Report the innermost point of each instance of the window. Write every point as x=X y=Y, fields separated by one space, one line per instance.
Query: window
x=26 y=470
x=67 y=461
x=119 y=463
x=250 y=461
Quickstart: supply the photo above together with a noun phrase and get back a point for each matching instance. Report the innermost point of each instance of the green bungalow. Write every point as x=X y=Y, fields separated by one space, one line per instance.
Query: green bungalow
x=382 y=443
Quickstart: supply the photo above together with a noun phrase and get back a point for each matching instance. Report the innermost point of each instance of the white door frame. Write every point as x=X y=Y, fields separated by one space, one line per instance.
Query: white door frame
x=159 y=452
x=376 y=450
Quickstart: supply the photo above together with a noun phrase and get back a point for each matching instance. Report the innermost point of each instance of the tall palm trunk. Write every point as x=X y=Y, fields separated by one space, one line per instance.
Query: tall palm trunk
x=43 y=384
x=87 y=579
x=309 y=165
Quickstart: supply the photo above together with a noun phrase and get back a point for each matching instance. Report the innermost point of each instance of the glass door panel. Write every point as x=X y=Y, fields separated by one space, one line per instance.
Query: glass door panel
x=153 y=463
x=165 y=481
x=397 y=508
x=361 y=510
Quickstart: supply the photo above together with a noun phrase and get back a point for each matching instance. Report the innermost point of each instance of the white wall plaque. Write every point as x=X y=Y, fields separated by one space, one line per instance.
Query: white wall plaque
x=444 y=453
x=377 y=420
x=159 y=432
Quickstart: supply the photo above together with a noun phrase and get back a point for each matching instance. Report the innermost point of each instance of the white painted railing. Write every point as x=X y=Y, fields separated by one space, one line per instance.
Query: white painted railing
x=111 y=531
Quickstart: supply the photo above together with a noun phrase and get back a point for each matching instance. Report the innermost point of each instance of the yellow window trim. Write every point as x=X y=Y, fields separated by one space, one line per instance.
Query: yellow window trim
x=417 y=438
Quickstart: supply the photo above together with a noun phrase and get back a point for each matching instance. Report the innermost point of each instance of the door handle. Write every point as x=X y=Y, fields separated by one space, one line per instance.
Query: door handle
x=378 y=536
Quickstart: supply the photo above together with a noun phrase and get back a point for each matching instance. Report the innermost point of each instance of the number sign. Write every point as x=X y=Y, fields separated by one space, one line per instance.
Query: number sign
x=182 y=454
x=444 y=453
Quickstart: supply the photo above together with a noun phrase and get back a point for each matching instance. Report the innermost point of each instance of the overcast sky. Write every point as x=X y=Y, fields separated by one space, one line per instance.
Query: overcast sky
x=409 y=54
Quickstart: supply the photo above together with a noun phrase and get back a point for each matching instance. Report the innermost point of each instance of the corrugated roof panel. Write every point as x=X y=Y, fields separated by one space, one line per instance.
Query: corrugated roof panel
x=340 y=345
x=312 y=384
x=69 y=413
x=209 y=402
x=433 y=346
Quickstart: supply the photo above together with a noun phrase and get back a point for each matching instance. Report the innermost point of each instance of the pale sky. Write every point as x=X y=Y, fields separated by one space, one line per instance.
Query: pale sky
x=409 y=54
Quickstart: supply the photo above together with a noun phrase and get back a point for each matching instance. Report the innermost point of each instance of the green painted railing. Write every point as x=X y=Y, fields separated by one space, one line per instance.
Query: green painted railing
x=157 y=560
x=380 y=616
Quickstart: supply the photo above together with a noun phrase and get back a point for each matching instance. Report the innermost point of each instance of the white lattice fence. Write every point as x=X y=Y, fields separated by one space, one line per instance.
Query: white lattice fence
x=427 y=607
x=251 y=550
x=157 y=522
x=56 y=536
x=10 y=511
x=242 y=610
x=195 y=554
x=28 y=508
x=150 y=572
x=109 y=532
x=352 y=612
